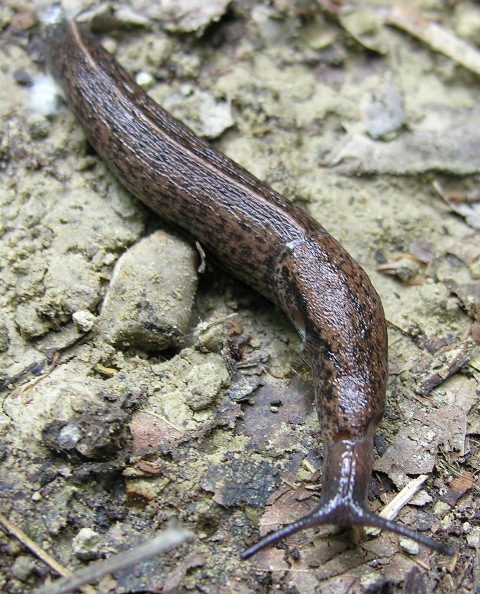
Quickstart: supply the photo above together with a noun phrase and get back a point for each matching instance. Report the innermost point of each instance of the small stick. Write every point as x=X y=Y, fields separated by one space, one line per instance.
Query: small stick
x=33 y=547
x=165 y=541
x=438 y=38
x=391 y=510
x=20 y=535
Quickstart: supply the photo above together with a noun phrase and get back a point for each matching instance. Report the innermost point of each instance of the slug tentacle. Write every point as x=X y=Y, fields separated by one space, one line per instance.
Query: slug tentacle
x=344 y=499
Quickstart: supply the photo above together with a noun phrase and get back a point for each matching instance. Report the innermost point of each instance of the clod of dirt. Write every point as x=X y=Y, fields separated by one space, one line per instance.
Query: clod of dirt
x=150 y=297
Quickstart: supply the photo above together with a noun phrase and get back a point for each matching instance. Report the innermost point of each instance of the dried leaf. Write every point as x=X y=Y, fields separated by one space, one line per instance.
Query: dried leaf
x=468 y=294
x=445 y=363
x=436 y=37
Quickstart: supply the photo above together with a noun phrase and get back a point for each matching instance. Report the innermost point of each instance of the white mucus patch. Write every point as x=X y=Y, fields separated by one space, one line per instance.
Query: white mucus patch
x=44 y=96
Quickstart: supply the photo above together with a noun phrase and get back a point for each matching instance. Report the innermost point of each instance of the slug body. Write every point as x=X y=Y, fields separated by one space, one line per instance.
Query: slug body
x=261 y=238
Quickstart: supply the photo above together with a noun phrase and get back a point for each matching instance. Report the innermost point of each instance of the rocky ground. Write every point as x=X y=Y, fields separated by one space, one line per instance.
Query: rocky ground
x=140 y=383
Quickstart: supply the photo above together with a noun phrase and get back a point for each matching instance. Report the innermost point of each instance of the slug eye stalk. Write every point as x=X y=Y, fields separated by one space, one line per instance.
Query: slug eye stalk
x=343 y=500
x=358 y=517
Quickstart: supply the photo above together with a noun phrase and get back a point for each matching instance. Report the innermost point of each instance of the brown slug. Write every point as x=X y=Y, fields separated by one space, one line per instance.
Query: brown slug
x=262 y=239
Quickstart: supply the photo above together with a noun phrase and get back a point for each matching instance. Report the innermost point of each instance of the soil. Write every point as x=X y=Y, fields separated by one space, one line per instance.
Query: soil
x=102 y=442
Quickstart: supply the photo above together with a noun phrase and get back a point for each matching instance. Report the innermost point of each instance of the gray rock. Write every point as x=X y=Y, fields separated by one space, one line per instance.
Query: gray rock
x=151 y=293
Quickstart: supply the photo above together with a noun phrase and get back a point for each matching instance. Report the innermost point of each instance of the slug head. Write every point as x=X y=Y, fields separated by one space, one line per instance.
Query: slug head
x=347 y=472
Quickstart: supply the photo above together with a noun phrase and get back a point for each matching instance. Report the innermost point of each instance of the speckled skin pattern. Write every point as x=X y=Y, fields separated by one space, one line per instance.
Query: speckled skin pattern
x=259 y=237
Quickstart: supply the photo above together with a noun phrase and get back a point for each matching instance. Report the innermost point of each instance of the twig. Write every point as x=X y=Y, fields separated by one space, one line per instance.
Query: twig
x=33 y=547
x=20 y=535
x=165 y=541
x=391 y=510
x=438 y=38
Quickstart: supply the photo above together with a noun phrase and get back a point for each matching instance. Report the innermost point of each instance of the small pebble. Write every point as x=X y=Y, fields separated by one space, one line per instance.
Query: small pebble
x=84 y=320
x=409 y=545
x=87 y=544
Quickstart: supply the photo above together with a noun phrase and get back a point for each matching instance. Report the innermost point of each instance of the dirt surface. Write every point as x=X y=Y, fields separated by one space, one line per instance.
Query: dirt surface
x=104 y=440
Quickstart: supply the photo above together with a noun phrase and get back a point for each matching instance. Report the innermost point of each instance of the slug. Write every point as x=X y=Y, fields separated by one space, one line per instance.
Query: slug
x=262 y=239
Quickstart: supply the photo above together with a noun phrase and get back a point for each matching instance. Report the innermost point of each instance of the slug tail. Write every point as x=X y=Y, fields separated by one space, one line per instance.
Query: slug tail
x=343 y=502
